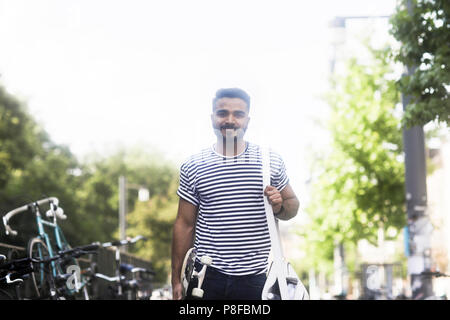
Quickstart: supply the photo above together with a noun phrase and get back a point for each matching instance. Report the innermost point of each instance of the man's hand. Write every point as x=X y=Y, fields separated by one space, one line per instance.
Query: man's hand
x=284 y=203
x=274 y=198
x=176 y=291
x=183 y=237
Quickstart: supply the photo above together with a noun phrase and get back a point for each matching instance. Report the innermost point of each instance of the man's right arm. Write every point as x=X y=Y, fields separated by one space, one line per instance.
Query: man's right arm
x=182 y=240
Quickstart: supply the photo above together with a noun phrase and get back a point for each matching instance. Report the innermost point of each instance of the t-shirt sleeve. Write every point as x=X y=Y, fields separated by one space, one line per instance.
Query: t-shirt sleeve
x=186 y=189
x=278 y=176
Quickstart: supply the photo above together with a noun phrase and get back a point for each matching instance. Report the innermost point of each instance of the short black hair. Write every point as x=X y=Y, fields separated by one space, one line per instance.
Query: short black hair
x=232 y=93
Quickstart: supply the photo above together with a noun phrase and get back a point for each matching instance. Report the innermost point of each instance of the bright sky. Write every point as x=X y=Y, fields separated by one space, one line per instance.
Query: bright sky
x=101 y=72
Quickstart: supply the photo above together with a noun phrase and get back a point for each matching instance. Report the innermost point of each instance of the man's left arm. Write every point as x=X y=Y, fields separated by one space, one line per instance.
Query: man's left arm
x=284 y=203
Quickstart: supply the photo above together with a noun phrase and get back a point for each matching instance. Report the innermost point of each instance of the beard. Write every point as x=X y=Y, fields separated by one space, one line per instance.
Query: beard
x=227 y=132
x=228 y=138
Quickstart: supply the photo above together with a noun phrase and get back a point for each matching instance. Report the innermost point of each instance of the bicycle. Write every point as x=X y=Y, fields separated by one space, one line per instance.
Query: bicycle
x=7 y=279
x=122 y=288
x=41 y=245
x=139 y=287
x=14 y=272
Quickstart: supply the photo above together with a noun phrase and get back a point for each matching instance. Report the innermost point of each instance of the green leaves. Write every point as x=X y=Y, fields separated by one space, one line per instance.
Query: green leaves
x=18 y=139
x=424 y=33
x=153 y=219
x=361 y=186
x=31 y=168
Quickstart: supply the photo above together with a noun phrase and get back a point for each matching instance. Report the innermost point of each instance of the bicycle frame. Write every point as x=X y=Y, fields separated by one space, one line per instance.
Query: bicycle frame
x=61 y=244
x=45 y=237
x=60 y=240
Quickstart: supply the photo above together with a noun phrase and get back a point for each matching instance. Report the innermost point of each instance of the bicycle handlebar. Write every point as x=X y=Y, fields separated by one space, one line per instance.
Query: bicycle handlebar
x=16 y=264
x=125 y=267
x=110 y=279
x=144 y=270
x=434 y=274
x=21 y=263
x=53 y=208
x=118 y=243
x=15 y=277
x=90 y=248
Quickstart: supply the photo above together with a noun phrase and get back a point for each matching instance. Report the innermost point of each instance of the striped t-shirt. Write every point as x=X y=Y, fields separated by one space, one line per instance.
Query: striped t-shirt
x=228 y=191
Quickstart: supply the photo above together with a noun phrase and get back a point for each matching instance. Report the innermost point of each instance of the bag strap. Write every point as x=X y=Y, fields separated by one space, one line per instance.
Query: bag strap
x=272 y=223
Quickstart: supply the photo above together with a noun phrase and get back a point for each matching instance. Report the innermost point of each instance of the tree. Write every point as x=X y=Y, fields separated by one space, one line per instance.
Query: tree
x=20 y=136
x=360 y=187
x=153 y=219
x=423 y=31
x=49 y=173
x=32 y=167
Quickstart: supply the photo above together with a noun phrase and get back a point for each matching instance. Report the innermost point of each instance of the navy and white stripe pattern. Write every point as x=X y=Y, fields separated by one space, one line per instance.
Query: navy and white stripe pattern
x=231 y=224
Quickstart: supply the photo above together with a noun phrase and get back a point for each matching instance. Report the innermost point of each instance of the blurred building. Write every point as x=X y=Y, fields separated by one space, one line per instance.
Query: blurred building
x=388 y=252
x=438 y=185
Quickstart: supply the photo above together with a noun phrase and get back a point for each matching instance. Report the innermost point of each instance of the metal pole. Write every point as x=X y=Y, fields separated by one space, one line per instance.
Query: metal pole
x=340 y=271
x=339 y=24
x=419 y=226
x=122 y=209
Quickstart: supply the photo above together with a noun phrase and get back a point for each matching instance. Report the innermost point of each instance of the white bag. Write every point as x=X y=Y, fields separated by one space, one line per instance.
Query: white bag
x=282 y=282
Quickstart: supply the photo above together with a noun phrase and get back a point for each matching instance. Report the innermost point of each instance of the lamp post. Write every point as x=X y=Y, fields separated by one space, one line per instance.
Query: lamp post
x=144 y=195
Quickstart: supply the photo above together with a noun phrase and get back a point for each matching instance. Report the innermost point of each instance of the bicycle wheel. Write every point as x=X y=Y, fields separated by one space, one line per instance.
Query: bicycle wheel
x=39 y=279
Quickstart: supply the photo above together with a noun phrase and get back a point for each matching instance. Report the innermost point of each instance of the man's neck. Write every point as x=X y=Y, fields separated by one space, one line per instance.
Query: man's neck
x=230 y=147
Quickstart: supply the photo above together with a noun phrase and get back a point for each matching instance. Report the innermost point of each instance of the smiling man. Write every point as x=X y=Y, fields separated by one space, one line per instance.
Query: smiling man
x=221 y=206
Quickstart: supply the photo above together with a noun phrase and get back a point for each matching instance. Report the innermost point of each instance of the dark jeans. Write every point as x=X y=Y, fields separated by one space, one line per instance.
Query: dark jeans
x=219 y=286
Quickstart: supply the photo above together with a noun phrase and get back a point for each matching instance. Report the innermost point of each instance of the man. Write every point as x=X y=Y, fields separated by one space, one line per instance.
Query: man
x=221 y=204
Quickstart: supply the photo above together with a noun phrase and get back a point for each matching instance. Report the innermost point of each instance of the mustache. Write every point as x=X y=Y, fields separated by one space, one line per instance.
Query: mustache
x=228 y=126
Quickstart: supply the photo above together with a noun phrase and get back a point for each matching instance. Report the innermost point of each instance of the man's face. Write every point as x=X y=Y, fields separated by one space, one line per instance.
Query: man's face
x=230 y=118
